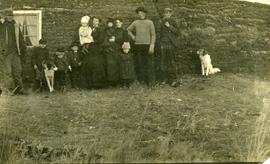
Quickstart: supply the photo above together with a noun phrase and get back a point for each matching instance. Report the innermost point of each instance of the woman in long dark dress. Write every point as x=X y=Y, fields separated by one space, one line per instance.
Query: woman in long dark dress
x=111 y=54
x=84 y=37
x=97 y=63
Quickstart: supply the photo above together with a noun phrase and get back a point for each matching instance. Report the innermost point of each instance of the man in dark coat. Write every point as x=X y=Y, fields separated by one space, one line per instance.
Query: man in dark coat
x=168 y=42
x=12 y=48
x=127 y=69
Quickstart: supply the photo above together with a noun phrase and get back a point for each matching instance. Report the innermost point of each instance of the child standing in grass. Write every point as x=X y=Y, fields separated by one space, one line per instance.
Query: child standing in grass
x=40 y=57
x=127 y=70
x=61 y=62
x=75 y=63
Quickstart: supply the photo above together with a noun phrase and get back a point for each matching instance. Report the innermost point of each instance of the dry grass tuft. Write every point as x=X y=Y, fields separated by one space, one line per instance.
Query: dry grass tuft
x=258 y=144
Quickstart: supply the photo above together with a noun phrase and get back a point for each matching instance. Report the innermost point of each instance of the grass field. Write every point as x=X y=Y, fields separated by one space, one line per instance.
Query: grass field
x=220 y=118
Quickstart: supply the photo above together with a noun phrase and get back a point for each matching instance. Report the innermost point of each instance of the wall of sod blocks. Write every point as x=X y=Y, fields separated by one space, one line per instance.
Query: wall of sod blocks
x=236 y=34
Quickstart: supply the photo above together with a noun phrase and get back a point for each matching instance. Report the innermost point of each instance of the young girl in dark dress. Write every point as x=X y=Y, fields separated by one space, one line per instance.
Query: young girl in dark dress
x=127 y=70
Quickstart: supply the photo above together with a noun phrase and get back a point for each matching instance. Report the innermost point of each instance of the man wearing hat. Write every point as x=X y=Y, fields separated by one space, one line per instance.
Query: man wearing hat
x=142 y=31
x=12 y=49
x=168 y=42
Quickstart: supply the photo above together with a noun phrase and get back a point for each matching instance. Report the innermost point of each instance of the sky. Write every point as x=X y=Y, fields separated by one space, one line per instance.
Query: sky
x=260 y=1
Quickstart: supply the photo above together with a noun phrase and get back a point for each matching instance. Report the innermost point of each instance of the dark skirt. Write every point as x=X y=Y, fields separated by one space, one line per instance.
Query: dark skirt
x=112 y=64
x=93 y=67
x=127 y=69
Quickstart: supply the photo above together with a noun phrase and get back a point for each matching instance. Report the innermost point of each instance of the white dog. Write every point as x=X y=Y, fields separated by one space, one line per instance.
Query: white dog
x=49 y=75
x=207 y=67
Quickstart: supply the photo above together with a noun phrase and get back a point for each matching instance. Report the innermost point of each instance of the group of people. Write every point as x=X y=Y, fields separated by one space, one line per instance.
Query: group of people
x=110 y=56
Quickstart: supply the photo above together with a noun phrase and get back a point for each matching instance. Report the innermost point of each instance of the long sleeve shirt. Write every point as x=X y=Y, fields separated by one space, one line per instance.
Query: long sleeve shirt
x=144 y=31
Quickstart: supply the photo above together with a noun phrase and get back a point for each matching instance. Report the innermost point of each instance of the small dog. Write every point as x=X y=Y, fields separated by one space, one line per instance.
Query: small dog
x=207 y=67
x=49 y=70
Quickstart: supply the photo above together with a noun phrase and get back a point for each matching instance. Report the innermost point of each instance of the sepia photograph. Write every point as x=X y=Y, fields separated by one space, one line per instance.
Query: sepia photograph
x=134 y=81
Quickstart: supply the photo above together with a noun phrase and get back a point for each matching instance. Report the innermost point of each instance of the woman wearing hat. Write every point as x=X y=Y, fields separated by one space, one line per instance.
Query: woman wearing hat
x=142 y=31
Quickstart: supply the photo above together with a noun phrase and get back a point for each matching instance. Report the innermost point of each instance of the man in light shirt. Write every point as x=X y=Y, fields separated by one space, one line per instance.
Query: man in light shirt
x=142 y=31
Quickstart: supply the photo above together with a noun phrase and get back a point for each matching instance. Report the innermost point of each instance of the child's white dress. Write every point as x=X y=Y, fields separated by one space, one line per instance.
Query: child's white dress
x=85 y=34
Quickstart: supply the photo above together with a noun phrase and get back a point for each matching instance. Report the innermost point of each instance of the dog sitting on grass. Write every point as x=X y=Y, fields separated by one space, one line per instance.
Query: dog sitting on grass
x=206 y=65
x=49 y=70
